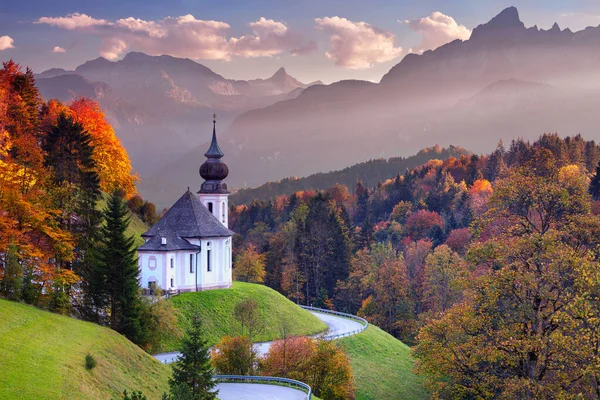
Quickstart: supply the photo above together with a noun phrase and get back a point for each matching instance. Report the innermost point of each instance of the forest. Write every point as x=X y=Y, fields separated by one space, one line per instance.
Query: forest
x=486 y=264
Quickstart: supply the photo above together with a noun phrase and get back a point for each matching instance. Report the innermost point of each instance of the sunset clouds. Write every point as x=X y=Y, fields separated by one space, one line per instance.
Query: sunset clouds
x=6 y=42
x=186 y=36
x=357 y=45
x=437 y=29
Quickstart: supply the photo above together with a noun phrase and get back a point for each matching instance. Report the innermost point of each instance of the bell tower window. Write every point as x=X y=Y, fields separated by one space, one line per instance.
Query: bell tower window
x=210 y=206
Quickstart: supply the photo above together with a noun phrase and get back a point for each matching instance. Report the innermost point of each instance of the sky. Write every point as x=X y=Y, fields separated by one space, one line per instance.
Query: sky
x=325 y=40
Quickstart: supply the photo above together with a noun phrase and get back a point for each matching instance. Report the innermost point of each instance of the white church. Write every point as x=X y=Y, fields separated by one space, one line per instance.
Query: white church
x=189 y=249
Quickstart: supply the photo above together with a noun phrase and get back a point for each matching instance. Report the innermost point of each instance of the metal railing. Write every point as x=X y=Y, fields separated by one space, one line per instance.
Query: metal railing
x=266 y=379
x=364 y=322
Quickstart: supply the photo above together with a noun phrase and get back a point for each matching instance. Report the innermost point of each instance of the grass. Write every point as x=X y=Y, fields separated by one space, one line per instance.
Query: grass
x=216 y=307
x=42 y=356
x=382 y=367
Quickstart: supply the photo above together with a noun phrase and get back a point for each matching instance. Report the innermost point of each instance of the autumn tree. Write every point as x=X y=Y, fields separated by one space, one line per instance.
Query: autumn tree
x=249 y=266
x=594 y=188
x=234 y=356
x=444 y=279
x=247 y=318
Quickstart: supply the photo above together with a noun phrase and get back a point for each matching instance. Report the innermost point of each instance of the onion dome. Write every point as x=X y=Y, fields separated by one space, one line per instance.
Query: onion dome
x=214 y=170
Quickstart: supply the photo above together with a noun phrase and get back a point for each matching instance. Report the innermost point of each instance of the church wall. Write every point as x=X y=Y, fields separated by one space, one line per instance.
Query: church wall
x=220 y=206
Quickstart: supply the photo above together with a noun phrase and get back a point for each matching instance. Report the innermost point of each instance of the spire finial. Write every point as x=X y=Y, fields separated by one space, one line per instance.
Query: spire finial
x=214 y=118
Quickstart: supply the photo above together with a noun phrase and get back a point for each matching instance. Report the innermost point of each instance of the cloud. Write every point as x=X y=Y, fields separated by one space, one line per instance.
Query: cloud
x=186 y=36
x=357 y=45
x=72 y=21
x=6 y=42
x=438 y=29
x=58 y=49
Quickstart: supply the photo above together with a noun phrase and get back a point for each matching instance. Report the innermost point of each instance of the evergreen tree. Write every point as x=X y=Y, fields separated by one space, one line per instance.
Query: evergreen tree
x=117 y=262
x=595 y=184
x=12 y=278
x=193 y=368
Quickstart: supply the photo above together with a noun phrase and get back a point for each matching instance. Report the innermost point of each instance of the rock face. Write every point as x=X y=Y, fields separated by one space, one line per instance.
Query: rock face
x=158 y=103
x=506 y=81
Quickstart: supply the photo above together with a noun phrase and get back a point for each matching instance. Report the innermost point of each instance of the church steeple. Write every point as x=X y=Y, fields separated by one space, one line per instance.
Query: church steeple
x=213 y=170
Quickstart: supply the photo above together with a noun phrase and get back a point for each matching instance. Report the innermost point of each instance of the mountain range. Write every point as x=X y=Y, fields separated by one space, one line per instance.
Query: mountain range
x=505 y=81
x=158 y=103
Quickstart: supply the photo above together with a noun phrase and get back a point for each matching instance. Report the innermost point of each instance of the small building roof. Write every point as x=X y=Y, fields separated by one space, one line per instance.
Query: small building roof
x=173 y=243
x=189 y=218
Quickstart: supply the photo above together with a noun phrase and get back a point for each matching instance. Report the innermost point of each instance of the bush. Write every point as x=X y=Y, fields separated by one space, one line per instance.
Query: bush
x=90 y=362
x=134 y=395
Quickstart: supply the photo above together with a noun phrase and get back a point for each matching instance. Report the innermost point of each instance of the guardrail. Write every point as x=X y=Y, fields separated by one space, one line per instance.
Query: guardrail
x=363 y=321
x=266 y=379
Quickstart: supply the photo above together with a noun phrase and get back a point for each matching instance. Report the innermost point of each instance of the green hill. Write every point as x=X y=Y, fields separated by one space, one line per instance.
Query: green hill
x=42 y=357
x=382 y=367
x=216 y=307
x=136 y=225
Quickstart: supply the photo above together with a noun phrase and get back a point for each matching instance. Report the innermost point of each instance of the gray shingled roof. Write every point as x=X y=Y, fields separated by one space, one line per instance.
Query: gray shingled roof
x=174 y=242
x=188 y=218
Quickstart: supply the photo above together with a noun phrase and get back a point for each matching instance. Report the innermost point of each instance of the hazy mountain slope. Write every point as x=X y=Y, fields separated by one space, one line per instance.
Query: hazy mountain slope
x=469 y=93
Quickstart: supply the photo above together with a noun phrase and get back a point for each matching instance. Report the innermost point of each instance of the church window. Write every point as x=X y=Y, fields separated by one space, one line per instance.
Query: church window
x=191 y=263
x=208 y=266
x=210 y=206
x=223 y=212
x=172 y=263
x=172 y=283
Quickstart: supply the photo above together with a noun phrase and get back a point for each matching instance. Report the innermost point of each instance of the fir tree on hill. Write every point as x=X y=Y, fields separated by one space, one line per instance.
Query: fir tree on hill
x=193 y=372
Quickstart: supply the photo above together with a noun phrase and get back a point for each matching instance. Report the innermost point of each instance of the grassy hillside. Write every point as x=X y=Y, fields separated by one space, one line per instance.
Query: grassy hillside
x=382 y=367
x=42 y=357
x=216 y=307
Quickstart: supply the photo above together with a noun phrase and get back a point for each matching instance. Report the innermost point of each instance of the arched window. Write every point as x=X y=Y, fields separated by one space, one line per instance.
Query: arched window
x=210 y=206
x=223 y=212
x=208 y=259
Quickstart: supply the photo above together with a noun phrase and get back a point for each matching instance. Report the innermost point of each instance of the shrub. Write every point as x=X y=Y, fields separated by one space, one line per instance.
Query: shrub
x=90 y=362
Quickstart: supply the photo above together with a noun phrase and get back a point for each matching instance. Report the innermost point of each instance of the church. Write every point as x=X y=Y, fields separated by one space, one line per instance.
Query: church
x=189 y=248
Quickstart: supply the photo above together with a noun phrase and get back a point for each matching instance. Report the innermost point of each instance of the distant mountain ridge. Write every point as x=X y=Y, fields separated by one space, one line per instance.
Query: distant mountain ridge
x=469 y=93
x=166 y=100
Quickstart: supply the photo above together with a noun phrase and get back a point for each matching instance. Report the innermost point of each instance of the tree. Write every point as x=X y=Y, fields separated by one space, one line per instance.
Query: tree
x=118 y=263
x=234 y=356
x=160 y=319
x=249 y=266
x=12 y=275
x=247 y=318
x=193 y=367
x=420 y=224
x=594 y=189
x=444 y=279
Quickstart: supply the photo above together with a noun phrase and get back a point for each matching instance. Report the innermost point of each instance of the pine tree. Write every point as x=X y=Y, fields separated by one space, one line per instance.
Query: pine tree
x=12 y=277
x=118 y=262
x=595 y=184
x=193 y=368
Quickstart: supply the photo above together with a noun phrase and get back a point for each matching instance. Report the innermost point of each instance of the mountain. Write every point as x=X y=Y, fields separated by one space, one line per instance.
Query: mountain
x=157 y=103
x=506 y=81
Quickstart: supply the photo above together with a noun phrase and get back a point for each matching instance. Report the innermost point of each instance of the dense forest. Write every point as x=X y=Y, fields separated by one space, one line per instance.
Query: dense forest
x=369 y=173
x=487 y=264
x=59 y=249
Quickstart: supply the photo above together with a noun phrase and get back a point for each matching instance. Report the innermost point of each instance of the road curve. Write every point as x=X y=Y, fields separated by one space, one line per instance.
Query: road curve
x=336 y=326
x=255 y=391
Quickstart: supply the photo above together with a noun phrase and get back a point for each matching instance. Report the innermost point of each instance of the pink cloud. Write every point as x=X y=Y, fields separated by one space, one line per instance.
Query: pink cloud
x=58 y=49
x=357 y=45
x=186 y=36
x=438 y=29
x=6 y=42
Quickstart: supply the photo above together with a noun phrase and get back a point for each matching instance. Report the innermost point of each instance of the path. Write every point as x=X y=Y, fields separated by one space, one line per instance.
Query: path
x=255 y=391
x=337 y=326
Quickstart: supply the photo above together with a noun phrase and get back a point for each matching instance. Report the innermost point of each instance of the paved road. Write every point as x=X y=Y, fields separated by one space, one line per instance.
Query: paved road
x=255 y=391
x=337 y=326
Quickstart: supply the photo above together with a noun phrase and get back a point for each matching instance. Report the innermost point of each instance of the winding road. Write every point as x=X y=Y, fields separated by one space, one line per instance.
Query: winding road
x=337 y=325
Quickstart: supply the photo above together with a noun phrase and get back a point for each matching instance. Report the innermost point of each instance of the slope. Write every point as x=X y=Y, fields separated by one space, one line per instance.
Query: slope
x=382 y=367
x=216 y=308
x=43 y=358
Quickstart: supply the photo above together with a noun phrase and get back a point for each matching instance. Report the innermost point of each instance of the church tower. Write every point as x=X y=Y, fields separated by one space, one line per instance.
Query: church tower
x=213 y=192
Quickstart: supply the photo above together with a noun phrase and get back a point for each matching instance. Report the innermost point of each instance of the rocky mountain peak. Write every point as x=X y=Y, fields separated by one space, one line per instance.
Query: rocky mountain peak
x=507 y=20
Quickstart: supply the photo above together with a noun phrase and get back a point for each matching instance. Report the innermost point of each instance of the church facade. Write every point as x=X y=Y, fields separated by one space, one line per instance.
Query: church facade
x=189 y=248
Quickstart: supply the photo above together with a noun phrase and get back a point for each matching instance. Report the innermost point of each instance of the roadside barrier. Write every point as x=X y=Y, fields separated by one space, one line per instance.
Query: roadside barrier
x=364 y=322
x=266 y=379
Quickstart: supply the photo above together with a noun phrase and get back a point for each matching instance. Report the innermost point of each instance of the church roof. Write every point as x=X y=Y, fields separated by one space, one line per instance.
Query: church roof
x=173 y=243
x=189 y=218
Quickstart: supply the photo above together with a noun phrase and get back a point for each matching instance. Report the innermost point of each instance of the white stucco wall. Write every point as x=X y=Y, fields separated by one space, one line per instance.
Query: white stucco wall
x=220 y=204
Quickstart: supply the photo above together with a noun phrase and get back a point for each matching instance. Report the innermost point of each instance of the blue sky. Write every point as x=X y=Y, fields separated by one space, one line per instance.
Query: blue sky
x=371 y=36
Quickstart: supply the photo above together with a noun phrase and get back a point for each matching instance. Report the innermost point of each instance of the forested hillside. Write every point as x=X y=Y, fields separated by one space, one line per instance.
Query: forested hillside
x=369 y=172
x=487 y=264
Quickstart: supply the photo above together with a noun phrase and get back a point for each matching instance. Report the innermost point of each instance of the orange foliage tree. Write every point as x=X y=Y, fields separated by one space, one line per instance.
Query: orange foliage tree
x=114 y=166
